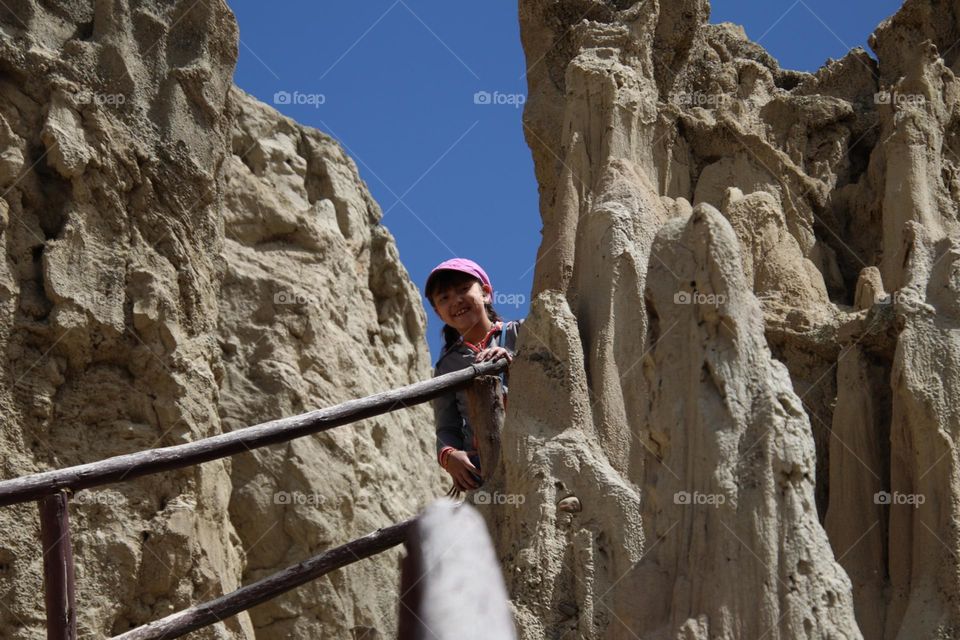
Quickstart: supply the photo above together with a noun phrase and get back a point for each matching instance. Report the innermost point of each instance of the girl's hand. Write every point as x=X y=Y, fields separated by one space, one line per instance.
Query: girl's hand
x=460 y=468
x=494 y=353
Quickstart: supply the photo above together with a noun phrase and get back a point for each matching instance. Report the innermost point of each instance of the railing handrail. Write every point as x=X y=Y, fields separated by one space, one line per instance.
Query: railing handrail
x=207 y=613
x=133 y=465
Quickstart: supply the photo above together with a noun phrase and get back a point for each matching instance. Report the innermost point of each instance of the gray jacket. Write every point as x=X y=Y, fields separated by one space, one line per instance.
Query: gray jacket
x=450 y=410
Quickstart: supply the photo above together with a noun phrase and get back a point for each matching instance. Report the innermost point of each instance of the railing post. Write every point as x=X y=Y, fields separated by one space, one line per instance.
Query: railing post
x=57 y=567
x=451 y=587
x=485 y=405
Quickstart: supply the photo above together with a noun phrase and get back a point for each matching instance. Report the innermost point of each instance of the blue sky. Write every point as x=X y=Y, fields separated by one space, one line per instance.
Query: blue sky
x=396 y=82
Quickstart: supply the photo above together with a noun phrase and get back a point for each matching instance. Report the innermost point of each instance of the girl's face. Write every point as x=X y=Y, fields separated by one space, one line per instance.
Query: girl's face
x=461 y=305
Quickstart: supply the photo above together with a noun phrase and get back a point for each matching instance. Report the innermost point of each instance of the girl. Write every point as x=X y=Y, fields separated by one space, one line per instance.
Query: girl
x=461 y=294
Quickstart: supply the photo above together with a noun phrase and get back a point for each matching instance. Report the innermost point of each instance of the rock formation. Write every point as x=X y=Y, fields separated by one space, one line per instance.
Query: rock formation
x=741 y=355
x=733 y=413
x=316 y=309
x=181 y=261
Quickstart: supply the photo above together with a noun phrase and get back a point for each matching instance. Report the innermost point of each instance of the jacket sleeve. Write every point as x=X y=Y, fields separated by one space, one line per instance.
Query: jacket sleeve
x=449 y=422
x=512 y=348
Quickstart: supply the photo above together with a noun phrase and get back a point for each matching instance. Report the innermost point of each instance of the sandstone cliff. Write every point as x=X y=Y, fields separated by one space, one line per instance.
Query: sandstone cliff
x=733 y=413
x=741 y=356
x=315 y=309
x=181 y=261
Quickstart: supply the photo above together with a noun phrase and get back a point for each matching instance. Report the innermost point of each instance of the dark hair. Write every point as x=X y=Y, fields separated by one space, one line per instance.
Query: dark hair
x=445 y=279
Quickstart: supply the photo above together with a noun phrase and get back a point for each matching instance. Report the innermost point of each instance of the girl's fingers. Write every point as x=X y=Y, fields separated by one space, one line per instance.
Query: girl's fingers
x=464 y=475
x=494 y=353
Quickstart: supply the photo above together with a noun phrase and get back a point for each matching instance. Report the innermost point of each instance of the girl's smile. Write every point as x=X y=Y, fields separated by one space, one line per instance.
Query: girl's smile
x=462 y=307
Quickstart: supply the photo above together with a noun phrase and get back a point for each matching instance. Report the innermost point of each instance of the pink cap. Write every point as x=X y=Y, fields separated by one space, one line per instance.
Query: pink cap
x=463 y=265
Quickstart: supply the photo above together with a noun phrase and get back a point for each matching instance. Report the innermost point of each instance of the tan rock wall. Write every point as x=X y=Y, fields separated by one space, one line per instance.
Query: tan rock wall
x=153 y=220
x=713 y=363
x=315 y=309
